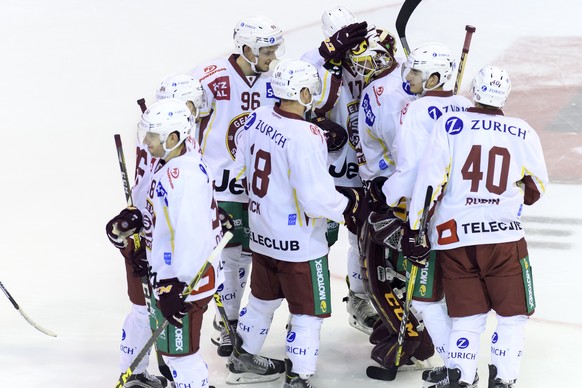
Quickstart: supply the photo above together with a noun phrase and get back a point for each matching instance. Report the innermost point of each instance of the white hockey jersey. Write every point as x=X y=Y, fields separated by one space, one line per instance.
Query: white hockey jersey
x=416 y=124
x=378 y=121
x=486 y=166
x=341 y=106
x=290 y=192
x=181 y=223
x=231 y=96
x=144 y=169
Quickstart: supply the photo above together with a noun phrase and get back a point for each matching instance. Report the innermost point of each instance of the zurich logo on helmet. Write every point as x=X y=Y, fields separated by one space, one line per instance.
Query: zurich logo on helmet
x=271 y=40
x=483 y=88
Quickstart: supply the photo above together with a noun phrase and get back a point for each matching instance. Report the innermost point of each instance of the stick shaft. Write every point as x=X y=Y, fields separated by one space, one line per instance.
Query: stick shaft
x=469 y=30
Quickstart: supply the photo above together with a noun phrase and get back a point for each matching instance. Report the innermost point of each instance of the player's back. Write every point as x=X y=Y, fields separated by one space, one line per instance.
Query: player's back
x=289 y=188
x=489 y=154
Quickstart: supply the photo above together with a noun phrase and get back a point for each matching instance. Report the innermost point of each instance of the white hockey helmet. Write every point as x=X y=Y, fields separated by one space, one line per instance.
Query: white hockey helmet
x=374 y=54
x=491 y=86
x=432 y=58
x=257 y=32
x=335 y=19
x=164 y=117
x=291 y=76
x=183 y=87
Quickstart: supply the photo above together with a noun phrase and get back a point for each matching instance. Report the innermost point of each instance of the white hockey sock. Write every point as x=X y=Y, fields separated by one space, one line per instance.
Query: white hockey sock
x=255 y=321
x=231 y=291
x=464 y=345
x=303 y=343
x=354 y=275
x=507 y=346
x=135 y=333
x=437 y=322
x=188 y=371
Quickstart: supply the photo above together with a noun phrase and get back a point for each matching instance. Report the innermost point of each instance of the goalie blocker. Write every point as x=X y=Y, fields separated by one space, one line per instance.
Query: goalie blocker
x=386 y=294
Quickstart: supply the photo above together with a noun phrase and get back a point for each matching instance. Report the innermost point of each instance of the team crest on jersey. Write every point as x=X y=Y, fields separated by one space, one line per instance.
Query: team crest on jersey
x=220 y=87
x=454 y=125
x=173 y=173
x=378 y=92
x=234 y=133
x=315 y=130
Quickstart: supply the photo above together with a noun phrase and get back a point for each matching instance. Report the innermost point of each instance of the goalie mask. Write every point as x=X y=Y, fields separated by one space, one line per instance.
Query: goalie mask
x=185 y=88
x=374 y=55
x=258 y=32
x=491 y=86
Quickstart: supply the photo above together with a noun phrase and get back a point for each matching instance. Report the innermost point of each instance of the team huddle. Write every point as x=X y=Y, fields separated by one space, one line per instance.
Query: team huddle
x=278 y=154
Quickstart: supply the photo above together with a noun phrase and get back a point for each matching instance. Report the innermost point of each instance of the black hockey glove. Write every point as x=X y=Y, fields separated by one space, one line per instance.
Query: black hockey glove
x=128 y=222
x=385 y=229
x=335 y=135
x=336 y=46
x=138 y=259
x=357 y=210
x=412 y=249
x=171 y=300
x=225 y=220
x=375 y=197
x=334 y=68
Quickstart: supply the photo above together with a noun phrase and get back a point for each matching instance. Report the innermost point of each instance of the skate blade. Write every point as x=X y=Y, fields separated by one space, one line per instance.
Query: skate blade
x=250 y=378
x=357 y=325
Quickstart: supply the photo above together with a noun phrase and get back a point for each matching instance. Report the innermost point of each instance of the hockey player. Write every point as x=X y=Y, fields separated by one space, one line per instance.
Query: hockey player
x=429 y=71
x=181 y=226
x=291 y=195
x=136 y=327
x=382 y=99
x=235 y=86
x=483 y=167
x=339 y=104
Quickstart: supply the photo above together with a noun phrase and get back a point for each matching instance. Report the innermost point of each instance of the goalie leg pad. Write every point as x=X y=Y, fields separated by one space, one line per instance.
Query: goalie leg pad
x=387 y=299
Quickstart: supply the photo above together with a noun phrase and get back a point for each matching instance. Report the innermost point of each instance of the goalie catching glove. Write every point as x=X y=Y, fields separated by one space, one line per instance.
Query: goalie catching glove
x=127 y=223
x=335 y=47
x=171 y=300
x=415 y=251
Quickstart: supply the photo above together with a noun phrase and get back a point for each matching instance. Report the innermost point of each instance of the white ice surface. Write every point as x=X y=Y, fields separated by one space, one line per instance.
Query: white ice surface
x=71 y=71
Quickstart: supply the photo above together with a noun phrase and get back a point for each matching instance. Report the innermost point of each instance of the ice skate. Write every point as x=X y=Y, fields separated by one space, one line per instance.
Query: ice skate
x=225 y=346
x=146 y=380
x=362 y=313
x=443 y=377
x=294 y=380
x=248 y=368
x=495 y=382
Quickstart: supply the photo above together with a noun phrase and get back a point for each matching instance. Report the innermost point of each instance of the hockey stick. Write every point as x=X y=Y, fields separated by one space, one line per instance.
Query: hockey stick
x=156 y=334
x=421 y=239
x=230 y=330
x=404 y=14
x=142 y=105
x=17 y=307
x=468 y=35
